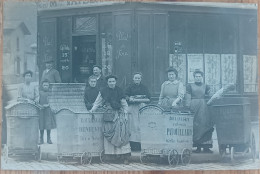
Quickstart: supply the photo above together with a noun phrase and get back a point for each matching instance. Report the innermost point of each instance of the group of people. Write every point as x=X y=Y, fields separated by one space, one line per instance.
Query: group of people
x=118 y=105
x=30 y=92
x=121 y=125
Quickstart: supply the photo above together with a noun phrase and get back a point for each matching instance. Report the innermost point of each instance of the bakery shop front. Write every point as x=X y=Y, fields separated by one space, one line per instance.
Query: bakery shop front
x=125 y=37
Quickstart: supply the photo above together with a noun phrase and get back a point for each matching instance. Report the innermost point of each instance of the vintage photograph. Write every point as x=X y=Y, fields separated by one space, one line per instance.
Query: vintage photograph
x=129 y=85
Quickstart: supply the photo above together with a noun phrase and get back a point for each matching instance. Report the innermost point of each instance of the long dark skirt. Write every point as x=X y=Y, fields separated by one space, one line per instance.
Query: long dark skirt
x=202 y=124
x=46 y=119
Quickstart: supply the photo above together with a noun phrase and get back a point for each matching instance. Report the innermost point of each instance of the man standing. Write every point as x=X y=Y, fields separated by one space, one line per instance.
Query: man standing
x=97 y=72
x=51 y=74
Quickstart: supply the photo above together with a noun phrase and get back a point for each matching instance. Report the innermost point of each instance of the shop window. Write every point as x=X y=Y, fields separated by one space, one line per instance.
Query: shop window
x=85 y=24
x=195 y=61
x=212 y=71
x=248 y=47
x=208 y=43
x=250 y=73
x=229 y=70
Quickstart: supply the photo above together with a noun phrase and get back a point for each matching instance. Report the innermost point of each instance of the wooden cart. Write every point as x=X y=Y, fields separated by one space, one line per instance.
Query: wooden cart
x=166 y=135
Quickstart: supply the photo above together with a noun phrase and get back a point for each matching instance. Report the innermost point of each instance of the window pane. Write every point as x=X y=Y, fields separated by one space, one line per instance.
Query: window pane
x=250 y=73
x=195 y=61
x=212 y=71
x=178 y=61
x=229 y=69
x=85 y=25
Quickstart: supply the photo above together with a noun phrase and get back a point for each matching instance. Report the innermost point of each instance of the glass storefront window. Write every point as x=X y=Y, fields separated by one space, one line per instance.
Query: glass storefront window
x=250 y=73
x=85 y=24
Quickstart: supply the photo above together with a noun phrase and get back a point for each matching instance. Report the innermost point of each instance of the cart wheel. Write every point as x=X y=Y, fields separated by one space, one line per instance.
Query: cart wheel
x=38 y=155
x=173 y=157
x=232 y=151
x=85 y=158
x=185 y=156
x=143 y=157
x=253 y=147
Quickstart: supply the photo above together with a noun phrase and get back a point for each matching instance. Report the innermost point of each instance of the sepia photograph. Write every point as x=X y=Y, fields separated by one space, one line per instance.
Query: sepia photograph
x=129 y=85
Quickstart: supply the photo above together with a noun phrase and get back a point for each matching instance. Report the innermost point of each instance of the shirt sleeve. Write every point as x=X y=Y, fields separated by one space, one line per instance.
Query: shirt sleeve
x=99 y=100
x=181 y=90
x=57 y=77
x=124 y=105
x=161 y=94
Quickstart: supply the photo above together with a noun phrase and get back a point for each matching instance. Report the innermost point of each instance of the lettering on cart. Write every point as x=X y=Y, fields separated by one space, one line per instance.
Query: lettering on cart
x=185 y=119
x=84 y=138
x=90 y=120
x=177 y=141
x=179 y=132
x=90 y=129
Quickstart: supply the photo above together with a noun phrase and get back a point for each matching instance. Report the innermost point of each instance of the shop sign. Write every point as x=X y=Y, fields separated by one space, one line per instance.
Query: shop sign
x=55 y=5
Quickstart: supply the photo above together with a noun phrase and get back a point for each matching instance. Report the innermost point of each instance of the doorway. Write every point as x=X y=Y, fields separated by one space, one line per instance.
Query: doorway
x=84 y=57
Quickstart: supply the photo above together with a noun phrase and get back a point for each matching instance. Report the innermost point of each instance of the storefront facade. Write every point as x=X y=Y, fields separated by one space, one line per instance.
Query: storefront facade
x=124 y=37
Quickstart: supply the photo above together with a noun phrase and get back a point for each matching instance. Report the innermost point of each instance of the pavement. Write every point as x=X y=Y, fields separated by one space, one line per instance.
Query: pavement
x=199 y=161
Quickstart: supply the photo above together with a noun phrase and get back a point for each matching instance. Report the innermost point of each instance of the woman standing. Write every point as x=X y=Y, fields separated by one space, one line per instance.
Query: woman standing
x=172 y=90
x=137 y=95
x=202 y=124
x=28 y=91
x=115 y=127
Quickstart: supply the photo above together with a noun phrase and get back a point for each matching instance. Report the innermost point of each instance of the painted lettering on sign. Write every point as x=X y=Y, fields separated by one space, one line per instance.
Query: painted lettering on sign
x=89 y=132
x=122 y=36
x=64 y=47
x=69 y=4
x=47 y=41
x=123 y=42
x=64 y=56
x=179 y=129
x=89 y=129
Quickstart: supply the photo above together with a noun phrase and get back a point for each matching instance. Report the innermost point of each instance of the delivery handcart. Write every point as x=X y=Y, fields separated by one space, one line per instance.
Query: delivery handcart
x=79 y=136
x=22 y=130
x=166 y=135
x=232 y=118
x=79 y=132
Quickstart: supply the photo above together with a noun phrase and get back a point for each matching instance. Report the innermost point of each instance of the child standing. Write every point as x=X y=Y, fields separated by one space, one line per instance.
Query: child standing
x=91 y=92
x=46 y=120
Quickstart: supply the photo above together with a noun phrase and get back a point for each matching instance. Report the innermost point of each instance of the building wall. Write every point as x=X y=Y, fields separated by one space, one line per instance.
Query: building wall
x=152 y=38
x=12 y=73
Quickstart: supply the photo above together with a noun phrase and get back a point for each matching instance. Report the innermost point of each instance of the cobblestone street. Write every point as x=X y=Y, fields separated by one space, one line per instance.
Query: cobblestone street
x=201 y=161
x=245 y=164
